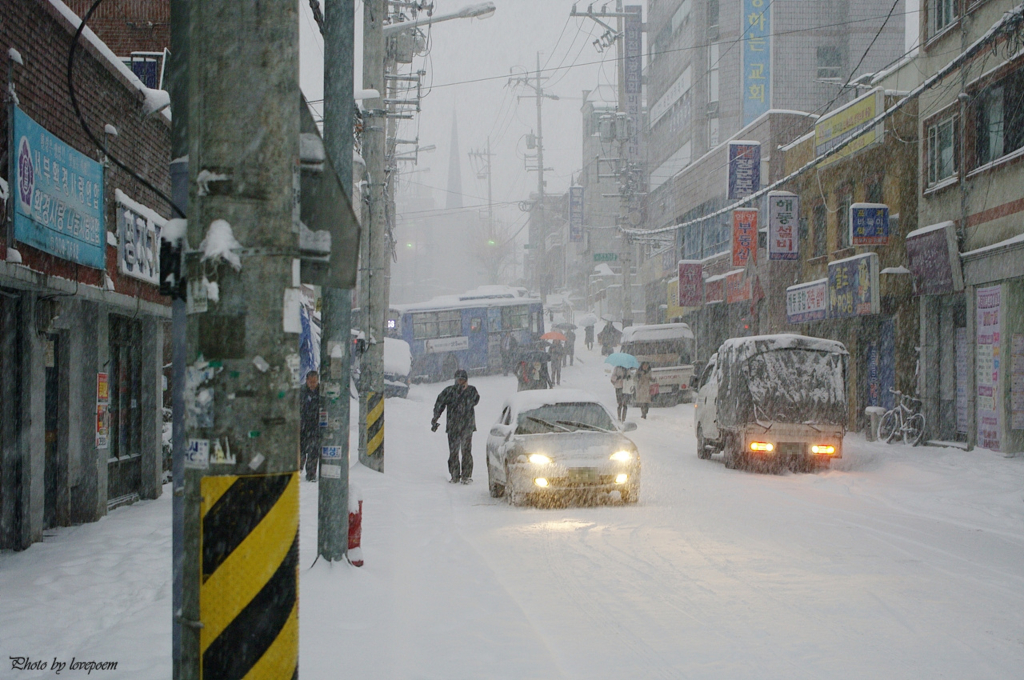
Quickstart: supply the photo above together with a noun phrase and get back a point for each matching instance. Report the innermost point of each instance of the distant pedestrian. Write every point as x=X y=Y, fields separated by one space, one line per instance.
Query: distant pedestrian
x=309 y=425
x=619 y=375
x=460 y=400
x=588 y=336
x=644 y=383
x=557 y=354
x=570 y=345
x=509 y=351
x=608 y=337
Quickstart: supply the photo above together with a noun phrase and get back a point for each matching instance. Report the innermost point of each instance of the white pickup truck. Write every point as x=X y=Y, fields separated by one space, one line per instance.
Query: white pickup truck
x=668 y=347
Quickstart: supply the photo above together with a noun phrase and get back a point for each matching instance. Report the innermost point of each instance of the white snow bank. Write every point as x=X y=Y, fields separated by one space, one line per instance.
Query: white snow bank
x=15 y=56
x=109 y=129
x=397 y=357
x=359 y=95
x=13 y=256
x=204 y=178
x=219 y=244
x=155 y=100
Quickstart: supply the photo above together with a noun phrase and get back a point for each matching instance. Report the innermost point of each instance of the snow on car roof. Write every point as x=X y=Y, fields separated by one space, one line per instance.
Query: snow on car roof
x=531 y=399
x=659 y=331
x=744 y=348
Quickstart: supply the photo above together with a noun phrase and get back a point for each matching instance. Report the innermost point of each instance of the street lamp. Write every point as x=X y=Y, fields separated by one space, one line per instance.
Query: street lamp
x=483 y=10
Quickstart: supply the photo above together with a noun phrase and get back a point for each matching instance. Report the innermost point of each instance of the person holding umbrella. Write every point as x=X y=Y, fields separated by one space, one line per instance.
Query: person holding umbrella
x=622 y=363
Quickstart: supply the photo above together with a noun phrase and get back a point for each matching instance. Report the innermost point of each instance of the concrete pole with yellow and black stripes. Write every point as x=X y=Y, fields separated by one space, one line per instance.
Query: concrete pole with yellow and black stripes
x=240 y=601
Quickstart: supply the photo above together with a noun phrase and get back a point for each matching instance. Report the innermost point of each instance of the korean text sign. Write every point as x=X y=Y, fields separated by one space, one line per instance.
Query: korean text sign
x=987 y=360
x=869 y=224
x=575 y=214
x=807 y=302
x=691 y=284
x=853 y=287
x=744 y=236
x=58 y=201
x=744 y=169
x=783 y=223
x=756 y=29
x=138 y=241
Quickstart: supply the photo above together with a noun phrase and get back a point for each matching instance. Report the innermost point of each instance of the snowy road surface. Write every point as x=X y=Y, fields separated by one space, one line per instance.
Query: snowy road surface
x=897 y=563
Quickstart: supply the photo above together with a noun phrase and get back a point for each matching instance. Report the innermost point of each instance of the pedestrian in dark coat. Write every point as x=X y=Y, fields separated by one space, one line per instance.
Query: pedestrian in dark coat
x=509 y=352
x=459 y=399
x=309 y=427
x=588 y=337
x=570 y=346
x=557 y=354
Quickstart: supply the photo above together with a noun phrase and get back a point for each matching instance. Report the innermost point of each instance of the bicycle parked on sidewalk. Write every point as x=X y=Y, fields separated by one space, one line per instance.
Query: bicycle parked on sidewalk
x=905 y=421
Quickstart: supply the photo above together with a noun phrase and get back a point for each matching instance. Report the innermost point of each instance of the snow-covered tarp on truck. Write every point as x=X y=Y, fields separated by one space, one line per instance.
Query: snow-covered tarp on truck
x=781 y=378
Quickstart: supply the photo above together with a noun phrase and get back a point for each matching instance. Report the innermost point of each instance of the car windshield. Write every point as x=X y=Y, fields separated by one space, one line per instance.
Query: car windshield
x=564 y=417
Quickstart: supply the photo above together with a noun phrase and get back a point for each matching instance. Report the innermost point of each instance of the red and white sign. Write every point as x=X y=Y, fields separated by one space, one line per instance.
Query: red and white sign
x=783 y=220
x=737 y=287
x=744 y=236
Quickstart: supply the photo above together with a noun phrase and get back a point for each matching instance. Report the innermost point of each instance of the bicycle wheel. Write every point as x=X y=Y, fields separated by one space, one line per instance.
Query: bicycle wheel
x=888 y=426
x=913 y=430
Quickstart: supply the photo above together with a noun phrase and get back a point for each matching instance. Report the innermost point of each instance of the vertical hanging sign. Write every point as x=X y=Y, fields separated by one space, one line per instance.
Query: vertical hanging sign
x=783 y=218
x=744 y=169
x=987 y=363
x=744 y=236
x=691 y=288
x=756 y=28
x=632 y=42
x=575 y=214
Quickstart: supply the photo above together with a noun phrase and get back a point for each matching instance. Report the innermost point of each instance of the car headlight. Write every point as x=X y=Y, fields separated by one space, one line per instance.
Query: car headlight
x=622 y=456
x=539 y=459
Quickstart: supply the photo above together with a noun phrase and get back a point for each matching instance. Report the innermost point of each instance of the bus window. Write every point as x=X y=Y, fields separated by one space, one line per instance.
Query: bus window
x=424 y=326
x=515 y=318
x=449 y=323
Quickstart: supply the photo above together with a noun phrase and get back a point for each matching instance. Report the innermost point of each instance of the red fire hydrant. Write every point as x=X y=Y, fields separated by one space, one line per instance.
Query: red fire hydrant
x=355 y=535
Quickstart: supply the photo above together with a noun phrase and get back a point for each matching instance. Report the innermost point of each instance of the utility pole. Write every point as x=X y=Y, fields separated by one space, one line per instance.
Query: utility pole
x=485 y=158
x=374 y=283
x=538 y=235
x=336 y=315
x=626 y=255
x=241 y=511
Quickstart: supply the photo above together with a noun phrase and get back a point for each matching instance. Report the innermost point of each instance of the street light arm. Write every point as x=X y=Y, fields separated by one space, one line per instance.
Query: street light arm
x=483 y=10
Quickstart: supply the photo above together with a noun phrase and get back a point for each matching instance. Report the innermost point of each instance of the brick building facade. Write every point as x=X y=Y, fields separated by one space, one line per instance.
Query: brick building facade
x=82 y=346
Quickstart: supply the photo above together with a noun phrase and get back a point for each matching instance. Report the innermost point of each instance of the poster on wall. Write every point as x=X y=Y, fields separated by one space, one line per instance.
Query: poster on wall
x=987 y=366
x=869 y=224
x=853 y=287
x=102 y=426
x=783 y=220
x=807 y=301
x=1017 y=382
x=744 y=236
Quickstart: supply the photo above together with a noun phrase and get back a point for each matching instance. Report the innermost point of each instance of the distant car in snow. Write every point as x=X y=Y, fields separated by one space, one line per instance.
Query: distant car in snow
x=560 y=443
x=397 y=366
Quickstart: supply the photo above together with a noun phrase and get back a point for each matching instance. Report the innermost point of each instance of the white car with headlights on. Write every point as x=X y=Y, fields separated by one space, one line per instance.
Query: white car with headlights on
x=560 y=443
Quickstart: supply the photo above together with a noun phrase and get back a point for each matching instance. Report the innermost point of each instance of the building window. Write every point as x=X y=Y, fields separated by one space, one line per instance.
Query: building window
x=820 y=233
x=681 y=15
x=830 y=62
x=712 y=15
x=714 y=55
x=942 y=155
x=943 y=13
x=999 y=119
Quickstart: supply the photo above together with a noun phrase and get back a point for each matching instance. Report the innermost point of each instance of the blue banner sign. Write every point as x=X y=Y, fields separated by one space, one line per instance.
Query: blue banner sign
x=853 y=287
x=756 y=29
x=576 y=214
x=58 y=206
x=869 y=224
x=744 y=169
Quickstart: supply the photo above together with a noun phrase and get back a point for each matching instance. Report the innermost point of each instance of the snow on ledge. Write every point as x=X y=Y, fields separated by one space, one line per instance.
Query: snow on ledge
x=1019 y=238
x=929 y=228
x=105 y=52
x=220 y=242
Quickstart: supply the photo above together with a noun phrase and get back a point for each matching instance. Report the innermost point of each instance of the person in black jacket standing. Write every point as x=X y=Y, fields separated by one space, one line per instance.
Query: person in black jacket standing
x=309 y=429
x=460 y=400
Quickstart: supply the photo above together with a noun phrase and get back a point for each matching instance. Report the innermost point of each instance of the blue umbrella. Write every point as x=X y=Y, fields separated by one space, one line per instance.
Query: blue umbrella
x=622 y=359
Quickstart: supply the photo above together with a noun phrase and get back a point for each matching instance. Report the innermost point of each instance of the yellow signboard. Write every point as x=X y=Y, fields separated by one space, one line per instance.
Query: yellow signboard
x=852 y=119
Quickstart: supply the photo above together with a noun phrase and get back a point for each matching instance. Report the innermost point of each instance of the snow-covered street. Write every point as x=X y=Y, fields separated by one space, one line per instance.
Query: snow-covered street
x=897 y=563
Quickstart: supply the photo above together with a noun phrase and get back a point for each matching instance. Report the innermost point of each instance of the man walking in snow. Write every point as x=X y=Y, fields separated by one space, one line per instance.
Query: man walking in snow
x=459 y=399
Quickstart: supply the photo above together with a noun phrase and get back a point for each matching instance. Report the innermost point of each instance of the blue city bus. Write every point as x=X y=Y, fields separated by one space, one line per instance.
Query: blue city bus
x=465 y=331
